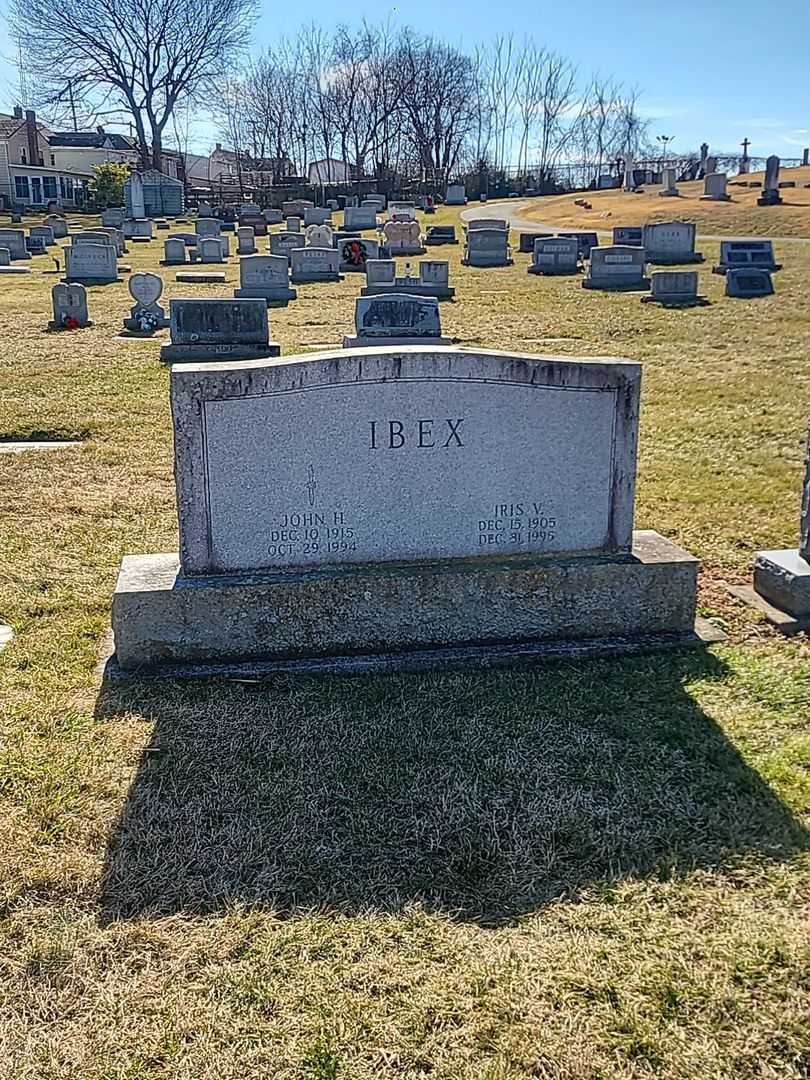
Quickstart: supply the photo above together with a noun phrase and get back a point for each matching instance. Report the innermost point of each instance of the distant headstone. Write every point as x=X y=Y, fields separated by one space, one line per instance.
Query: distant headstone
x=317 y=215
x=487 y=247
x=433 y=279
x=216 y=330
x=488 y=223
x=670 y=243
x=311 y=264
x=137 y=229
x=555 y=255
x=586 y=241
x=359 y=218
x=208 y=226
x=46 y=232
x=266 y=277
x=174 y=252
x=60 y=226
x=294 y=224
x=747 y=283
x=616 y=268
x=91 y=264
x=355 y=252
x=147 y=315
x=284 y=243
x=114 y=217
x=770 y=189
x=628 y=235
x=401 y=210
x=403 y=237
x=381 y=274
x=69 y=307
x=35 y=245
x=526 y=240
x=456 y=195
x=714 y=187
x=396 y=319
x=272 y=216
x=709 y=166
x=742 y=253
x=296 y=207
x=134 y=196
x=669 y=188
x=14 y=240
x=319 y=236
x=246 y=240
x=674 y=288
x=629 y=174
x=441 y=234
x=210 y=250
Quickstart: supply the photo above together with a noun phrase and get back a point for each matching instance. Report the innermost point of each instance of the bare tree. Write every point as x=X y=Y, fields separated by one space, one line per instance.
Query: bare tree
x=143 y=57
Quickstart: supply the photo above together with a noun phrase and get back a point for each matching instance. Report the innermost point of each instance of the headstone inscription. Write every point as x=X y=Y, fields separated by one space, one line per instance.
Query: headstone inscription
x=208 y=331
x=69 y=307
x=246 y=240
x=14 y=240
x=174 y=252
x=747 y=283
x=555 y=255
x=91 y=264
x=147 y=315
x=311 y=264
x=359 y=218
x=451 y=462
x=675 y=288
x=487 y=247
x=616 y=268
x=770 y=189
x=586 y=241
x=628 y=235
x=741 y=253
x=284 y=243
x=441 y=234
x=456 y=195
x=670 y=243
x=396 y=319
x=714 y=187
x=266 y=277
x=355 y=252
x=782 y=577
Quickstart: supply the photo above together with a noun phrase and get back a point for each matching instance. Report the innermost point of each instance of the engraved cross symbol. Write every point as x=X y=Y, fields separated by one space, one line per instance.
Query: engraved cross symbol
x=311 y=485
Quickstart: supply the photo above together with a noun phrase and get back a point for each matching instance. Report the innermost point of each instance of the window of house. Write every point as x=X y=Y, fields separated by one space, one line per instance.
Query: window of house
x=68 y=188
x=49 y=186
x=22 y=157
x=53 y=159
x=62 y=186
x=21 y=188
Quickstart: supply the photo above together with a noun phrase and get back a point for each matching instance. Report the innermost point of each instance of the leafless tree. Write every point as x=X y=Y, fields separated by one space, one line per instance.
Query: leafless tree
x=143 y=57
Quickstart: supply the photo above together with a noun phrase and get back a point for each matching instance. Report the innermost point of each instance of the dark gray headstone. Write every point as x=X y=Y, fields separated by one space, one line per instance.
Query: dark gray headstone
x=749 y=282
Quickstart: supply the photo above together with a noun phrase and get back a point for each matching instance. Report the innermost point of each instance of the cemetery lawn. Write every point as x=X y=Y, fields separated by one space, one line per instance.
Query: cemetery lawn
x=739 y=217
x=575 y=872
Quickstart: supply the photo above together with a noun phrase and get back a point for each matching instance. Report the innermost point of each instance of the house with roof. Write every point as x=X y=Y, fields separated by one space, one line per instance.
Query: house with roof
x=29 y=174
x=79 y=151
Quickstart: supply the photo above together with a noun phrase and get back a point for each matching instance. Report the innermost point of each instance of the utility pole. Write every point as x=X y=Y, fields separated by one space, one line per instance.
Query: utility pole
x=72 y=104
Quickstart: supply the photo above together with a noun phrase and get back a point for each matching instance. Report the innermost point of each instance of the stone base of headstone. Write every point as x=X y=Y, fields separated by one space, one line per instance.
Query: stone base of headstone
x=553 y=271
x=58 y=326
x=139 y=239
x=212 y=354
x=173 y=262
x=93 y=281
x=133 y=329
x=275 y=297
x=669 y=193
x=199 y=277
x=15 y=270
x=357 y=342
x=477 y=264
x=433 y=241
x=312 y=279
x=770 y=198
x=413 y=288
x=781 y=590
x=603 y=286
x=395 y=617
x=402 y=251
x=673 y=300
x=667 y=258
x=715 y=198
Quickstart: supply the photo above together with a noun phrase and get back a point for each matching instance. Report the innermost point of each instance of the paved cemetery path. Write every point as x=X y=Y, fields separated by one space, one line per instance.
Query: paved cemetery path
x=511 y=210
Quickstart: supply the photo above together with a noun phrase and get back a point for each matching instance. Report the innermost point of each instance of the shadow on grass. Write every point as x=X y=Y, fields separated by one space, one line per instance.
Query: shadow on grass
x=481 y=795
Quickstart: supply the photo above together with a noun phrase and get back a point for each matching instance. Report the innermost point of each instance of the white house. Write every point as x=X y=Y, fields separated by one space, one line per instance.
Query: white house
x=29 y=175
x=330 y=171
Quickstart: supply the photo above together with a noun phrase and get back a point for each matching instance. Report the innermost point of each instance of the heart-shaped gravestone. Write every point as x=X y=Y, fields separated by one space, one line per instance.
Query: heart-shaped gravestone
x=146 y=288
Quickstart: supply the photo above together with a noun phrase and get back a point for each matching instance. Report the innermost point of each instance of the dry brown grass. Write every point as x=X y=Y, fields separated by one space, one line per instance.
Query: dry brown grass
x=739 y=217
x=589 y=871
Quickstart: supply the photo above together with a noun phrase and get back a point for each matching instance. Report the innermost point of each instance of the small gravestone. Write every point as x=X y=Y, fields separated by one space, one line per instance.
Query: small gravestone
x=586 y=241
x=670 y=243
x=668 y=180
x=255 y=221
x=296 y=207
x=628 y=235
x=6 y=266
x=101 y=236
x=46 y=232
x=782 y=577
x=456 y=195
x=488 y=223
x=440 y=234
x=114 y=217
x=213 y=330
x=208 y=226
x=162 y=225
x=742 y=253
x=747 y=283
x=555 y=255
x=91 y=264
x=14 y=240
x=433 y=279
x=319 y=236
x=376 y=199
x=616 y=268
x=381 y=276
x=69 y=307
x=265 y=277
x=210 y=249
x=526 y=241
x=201 y=277
x=284 y=243
x=396 y=319
x=487 y=247
x=402 y=211
x=403 y=238
x=770 y=189
x=58 y=225
x=317 y=215
x=189 y=239
x=246 y=240
x=355 y=252
x=312 y=264
x=174 y=252
x=359 y=218
x=35 y=245
x=272 y=216
x=674 y=288
x=714 y=187
x=294 y=224
x=139 y=229
x=147 y=315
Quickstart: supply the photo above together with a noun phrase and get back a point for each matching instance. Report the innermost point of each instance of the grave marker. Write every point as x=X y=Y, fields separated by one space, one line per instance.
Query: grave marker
x=628 y=235
x=487 y=247
x=737 y=253
x=14 y=240
x=456 y=195
x=355 y=252
x=69 y=307
x=616 y=268
x=396 y=319
x=747 y=283
x=246 y=240
x=266 y=277
x=312 y=264
x=675 y=288
x=210 y=249
x=670 y=243
x=359 y=218
x=441 y=234
x=208 y=331
x=284 y=243
x=174 y=252
x=91 y=264
x=147 y=315
x=770 y=189
x=714 y=187
x=403 y=238
x=555 y=255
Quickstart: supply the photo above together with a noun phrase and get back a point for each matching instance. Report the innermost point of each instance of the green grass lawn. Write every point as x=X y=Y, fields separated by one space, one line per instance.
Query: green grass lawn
x=590 y=870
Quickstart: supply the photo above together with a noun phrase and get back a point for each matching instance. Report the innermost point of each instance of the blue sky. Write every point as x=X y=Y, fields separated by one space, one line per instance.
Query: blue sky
x=713 y=70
